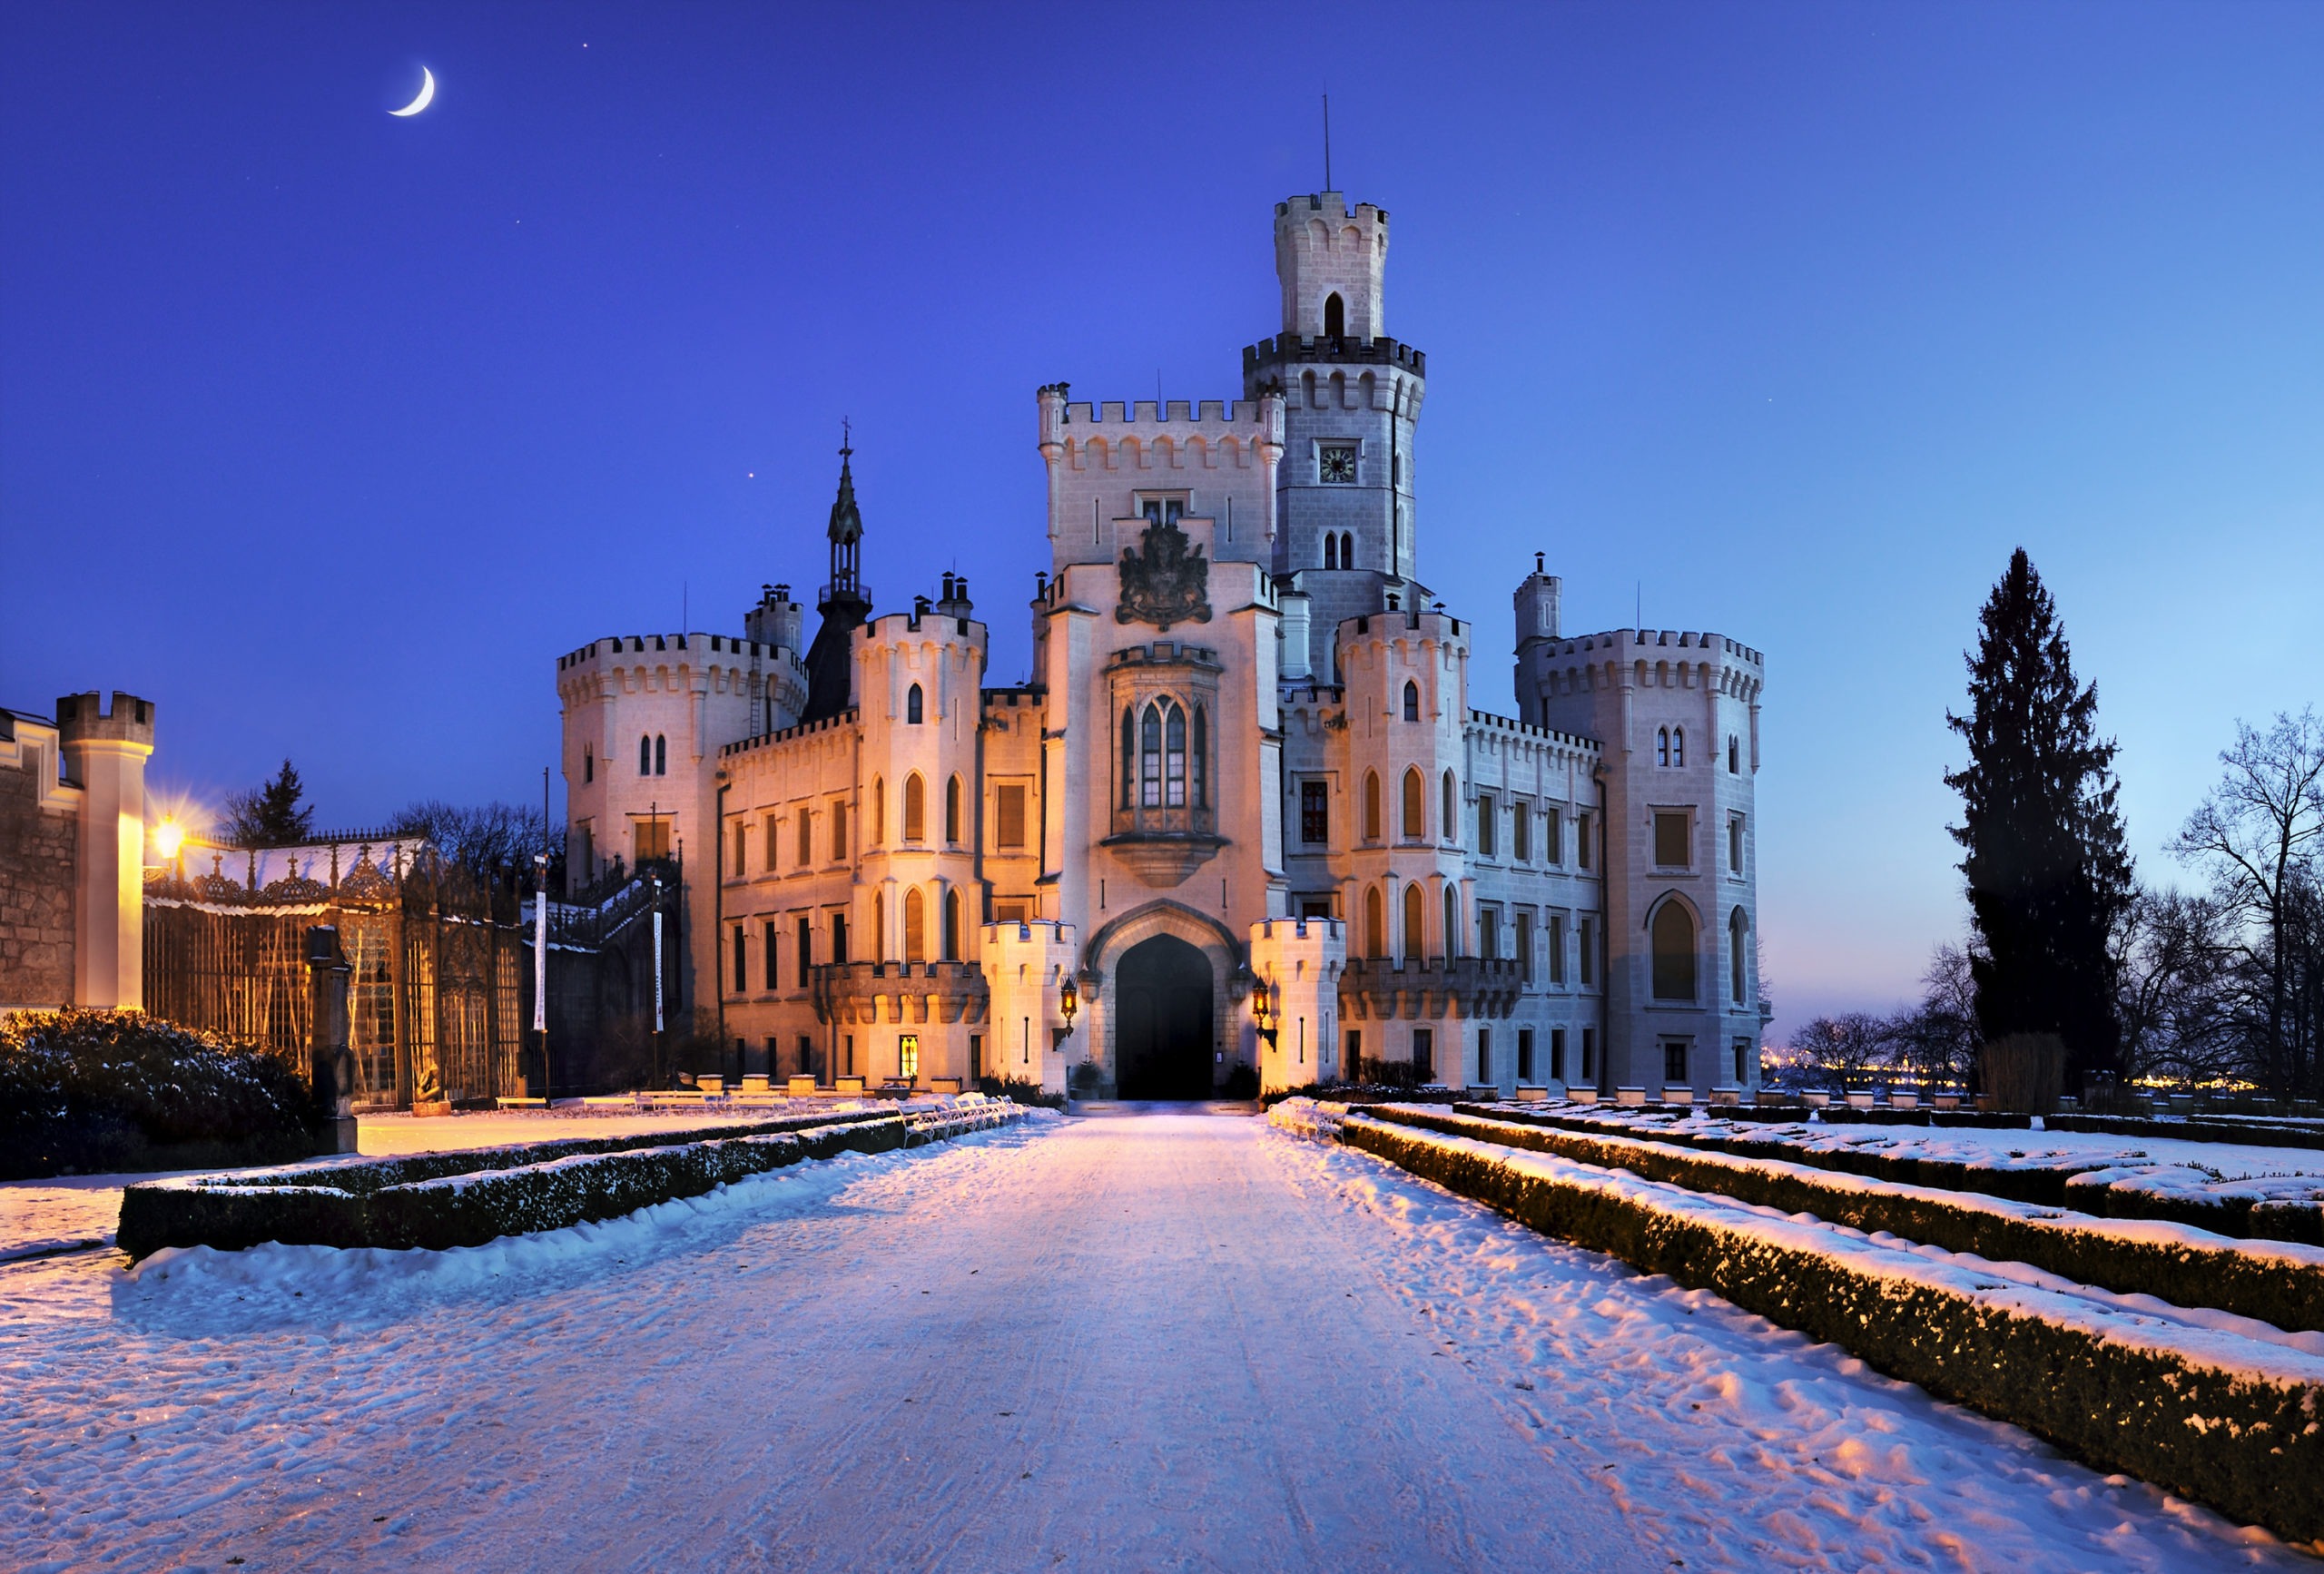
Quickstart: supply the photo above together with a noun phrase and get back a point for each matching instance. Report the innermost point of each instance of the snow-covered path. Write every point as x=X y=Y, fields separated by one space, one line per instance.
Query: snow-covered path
x=1174 y=1341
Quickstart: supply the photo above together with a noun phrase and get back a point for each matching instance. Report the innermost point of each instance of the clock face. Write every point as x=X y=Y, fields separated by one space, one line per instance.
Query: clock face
x=1339 y=465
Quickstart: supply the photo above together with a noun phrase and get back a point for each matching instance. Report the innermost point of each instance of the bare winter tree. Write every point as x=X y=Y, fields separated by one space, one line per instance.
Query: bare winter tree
x=2175 y=965
x=2259 y=835
x=1852 y=1046
x=483 y=840
x=1938 y=1038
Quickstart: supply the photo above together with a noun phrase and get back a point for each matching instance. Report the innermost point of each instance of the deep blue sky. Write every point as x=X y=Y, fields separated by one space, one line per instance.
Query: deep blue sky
x=329 y=430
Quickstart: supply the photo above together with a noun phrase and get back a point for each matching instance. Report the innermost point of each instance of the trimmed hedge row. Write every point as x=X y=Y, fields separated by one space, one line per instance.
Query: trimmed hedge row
x=2048 y=1183
x=464 y=1199
x=2275 y=1286
x=2247 y=1443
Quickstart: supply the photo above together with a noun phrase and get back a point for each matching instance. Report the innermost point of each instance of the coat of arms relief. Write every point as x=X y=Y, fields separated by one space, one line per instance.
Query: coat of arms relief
x=1167 y=582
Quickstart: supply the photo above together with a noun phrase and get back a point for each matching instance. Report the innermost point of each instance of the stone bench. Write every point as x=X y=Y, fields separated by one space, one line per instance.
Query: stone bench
x=802 y=1086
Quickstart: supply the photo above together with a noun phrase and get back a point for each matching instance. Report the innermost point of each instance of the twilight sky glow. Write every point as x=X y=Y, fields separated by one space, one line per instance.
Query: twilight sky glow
x=329 y=430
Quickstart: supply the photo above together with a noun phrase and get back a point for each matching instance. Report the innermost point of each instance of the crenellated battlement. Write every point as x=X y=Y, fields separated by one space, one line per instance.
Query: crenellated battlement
x=1528 y=730
x=698 y=647
x=1293 y=349
x=1664 y=642
x=846 y=718
x=1166 y=413
x=84 y=718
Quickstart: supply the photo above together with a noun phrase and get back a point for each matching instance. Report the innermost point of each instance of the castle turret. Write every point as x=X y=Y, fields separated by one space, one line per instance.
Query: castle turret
x=104 y=755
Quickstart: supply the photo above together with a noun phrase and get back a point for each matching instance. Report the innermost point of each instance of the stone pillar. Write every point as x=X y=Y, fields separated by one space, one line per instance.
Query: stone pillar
x=105 y=754
x=1025 y=967
x=331 y=1063
x=1299 y=962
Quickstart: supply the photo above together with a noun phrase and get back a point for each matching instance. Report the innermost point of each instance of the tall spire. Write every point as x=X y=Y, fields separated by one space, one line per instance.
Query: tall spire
x=846 y=530
x=829 y=666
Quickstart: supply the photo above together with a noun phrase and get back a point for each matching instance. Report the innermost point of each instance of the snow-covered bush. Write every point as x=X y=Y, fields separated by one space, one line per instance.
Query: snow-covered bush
x=85 y=1091
x=392 y=1201
x=1028 y=1094
x=2187 y=1267
x=2228 y=1422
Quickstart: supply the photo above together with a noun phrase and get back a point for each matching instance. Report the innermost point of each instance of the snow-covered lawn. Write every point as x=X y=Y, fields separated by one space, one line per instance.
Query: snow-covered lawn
x=2234 y=1160
x=1169 y=1342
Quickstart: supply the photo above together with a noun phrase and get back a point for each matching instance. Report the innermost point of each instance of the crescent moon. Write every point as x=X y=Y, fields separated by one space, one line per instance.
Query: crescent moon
x=427 y=93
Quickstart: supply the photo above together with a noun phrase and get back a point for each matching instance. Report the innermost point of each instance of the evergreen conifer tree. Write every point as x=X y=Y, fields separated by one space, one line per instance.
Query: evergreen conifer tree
x=2046 y=867
x=272 y=816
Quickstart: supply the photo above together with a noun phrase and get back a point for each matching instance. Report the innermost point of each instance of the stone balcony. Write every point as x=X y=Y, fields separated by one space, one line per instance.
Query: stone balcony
x=865 y=993
x=1426 y=987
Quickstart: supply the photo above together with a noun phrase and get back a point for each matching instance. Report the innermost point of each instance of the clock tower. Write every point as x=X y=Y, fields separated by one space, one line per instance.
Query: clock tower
x=1345 y=513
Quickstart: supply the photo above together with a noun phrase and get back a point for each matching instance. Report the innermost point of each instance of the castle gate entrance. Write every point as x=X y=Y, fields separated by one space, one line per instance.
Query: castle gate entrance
x=1165 y=1016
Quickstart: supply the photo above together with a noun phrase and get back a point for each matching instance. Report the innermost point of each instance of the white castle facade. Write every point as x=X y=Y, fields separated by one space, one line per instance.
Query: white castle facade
x=1243 y=814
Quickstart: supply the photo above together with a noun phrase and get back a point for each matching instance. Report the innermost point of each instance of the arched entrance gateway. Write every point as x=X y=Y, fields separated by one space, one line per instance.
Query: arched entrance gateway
x=1163 y=990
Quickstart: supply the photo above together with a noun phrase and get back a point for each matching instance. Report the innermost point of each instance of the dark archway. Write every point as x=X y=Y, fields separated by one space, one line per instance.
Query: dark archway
x=1163 y=998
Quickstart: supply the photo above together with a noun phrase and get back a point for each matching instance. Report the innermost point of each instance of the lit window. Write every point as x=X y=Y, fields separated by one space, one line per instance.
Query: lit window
x=908 y=1057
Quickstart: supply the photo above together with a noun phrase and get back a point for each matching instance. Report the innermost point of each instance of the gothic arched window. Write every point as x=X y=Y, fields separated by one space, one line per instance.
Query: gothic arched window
x=1451 y=817
x=952 y=811
x=1678 y=746
x=1375 y=923
x=1334 y=316
x=1162 y=756
x=1674 y=952
x=645 y=754
x=1371 y=806
x=951 y=952
x=1415 y=806
x=912 y=705
x=1129 y=758
x=878 y=926
x=879 y=832
x=1347 y=550
x=661 y=755
x=1331 y=550
x=915 y=926
x=1415 y=925
x=1662 y=746
x=915 y=807
x=1411 y=702
x=1454 y=928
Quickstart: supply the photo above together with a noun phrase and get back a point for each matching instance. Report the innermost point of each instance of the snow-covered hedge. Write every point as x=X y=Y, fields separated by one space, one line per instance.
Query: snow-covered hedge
x=2227 y=1420
x=457 y=1199
x=91 y=1092
x=2293 y=1211
x=2280 y=1284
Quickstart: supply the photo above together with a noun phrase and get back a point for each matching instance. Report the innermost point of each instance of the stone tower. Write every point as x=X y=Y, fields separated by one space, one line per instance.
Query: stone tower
x=1352 y=397
x=843 y=602
x=104 y=757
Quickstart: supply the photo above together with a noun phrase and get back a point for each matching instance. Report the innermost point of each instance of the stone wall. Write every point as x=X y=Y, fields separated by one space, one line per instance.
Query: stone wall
x=38 y=852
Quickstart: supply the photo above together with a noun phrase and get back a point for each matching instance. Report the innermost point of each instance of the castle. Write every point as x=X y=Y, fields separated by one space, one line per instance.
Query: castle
x=1242 y=815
